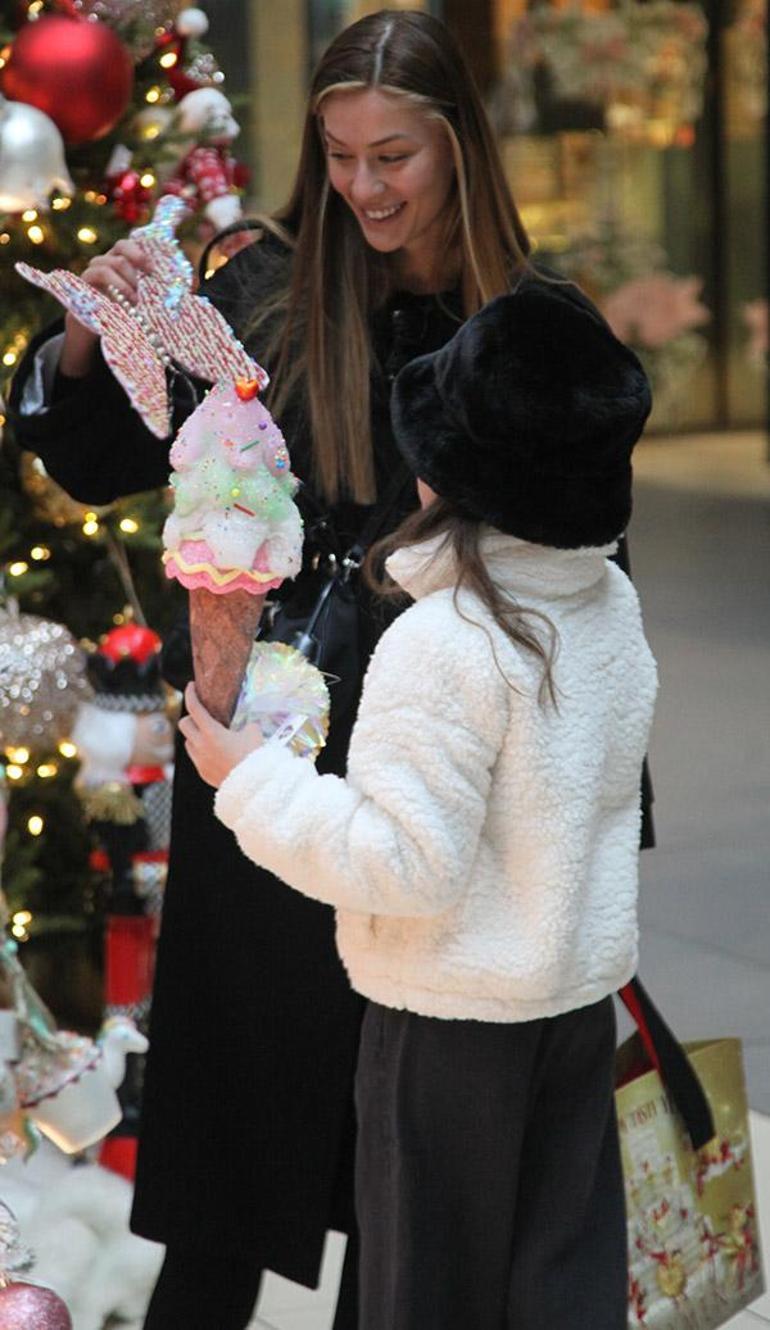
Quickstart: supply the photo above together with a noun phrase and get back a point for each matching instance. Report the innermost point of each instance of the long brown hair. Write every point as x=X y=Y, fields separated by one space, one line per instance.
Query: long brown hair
x=525 y=627
x=321 y=333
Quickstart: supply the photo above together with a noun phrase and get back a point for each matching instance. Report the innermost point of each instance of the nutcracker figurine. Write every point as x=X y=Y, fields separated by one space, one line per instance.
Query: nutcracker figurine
x=125 y=741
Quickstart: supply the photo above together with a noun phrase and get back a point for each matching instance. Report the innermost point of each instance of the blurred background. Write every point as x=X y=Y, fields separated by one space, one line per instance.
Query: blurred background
x=634 y=138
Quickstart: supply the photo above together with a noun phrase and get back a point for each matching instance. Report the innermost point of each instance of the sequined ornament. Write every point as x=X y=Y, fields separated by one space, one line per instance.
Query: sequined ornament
x=42 y=680
x=280 y=684
x=30 y=1307
x=49 y=500
x=167 y=327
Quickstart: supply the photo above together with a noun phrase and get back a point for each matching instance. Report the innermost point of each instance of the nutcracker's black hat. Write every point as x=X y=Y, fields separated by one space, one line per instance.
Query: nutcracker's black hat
x=124 y=671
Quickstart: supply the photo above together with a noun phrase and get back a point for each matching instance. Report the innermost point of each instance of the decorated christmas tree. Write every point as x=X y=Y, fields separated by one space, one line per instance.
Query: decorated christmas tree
x=105 y=105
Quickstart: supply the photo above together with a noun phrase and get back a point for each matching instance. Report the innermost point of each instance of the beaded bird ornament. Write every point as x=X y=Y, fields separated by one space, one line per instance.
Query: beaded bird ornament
x=168 y=327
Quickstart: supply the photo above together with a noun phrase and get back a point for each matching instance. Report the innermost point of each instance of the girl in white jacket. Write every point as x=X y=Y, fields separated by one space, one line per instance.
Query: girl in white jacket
x=482 y=851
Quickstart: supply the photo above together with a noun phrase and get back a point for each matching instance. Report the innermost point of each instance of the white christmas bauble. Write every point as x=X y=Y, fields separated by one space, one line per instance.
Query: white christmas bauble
x=191 y=23
x=32 y=162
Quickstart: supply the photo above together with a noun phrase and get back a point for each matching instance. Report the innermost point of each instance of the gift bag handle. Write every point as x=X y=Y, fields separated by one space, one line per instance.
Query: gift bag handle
x=671 y=1062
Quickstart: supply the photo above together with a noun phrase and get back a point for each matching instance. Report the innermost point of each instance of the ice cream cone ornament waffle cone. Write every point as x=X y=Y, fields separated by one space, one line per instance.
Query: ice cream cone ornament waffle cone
x=235 y=532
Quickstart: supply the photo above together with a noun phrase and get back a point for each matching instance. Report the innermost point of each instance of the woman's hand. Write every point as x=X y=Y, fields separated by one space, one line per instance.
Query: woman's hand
x=117 y=270
x=214 y=749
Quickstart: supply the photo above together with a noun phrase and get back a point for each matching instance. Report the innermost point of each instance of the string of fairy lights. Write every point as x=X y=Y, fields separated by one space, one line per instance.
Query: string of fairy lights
x=19 y=765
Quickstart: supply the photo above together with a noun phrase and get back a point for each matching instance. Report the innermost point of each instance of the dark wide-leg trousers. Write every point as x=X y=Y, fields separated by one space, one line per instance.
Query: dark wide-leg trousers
x=489 y=1187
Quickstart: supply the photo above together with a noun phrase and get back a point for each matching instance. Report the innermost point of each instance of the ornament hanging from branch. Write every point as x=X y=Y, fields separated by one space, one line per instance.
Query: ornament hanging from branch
x=32 y=163
x=24 y=1305
x=42 y=679
x=58 y=56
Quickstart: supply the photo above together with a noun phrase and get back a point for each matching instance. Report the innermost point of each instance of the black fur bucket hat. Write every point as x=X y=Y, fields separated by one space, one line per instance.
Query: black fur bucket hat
x=527 y=418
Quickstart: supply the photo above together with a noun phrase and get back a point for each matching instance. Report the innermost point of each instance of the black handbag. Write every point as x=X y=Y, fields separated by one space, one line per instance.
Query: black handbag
x=328 y=631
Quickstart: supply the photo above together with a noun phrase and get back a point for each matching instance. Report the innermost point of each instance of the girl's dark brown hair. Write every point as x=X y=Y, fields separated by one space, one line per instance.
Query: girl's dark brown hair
x=462 y=534
x=337 y=280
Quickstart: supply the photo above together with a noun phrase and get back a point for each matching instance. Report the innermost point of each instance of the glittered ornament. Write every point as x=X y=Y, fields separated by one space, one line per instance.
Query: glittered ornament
x=56 y=57
x=49 y=500
x=281 y=685
x=42 y=679
x=30 y=1307
x=167 y=322
x=32 y=163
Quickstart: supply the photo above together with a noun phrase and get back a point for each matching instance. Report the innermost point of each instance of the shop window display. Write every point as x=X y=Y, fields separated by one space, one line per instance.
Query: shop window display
x=608 y=120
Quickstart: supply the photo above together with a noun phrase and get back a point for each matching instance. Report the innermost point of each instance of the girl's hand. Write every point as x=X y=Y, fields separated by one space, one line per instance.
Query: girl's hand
x=213 y=749
x=117 y=270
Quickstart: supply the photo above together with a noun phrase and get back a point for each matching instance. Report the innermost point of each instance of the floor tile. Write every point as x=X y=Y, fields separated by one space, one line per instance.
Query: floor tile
x=279 y=1296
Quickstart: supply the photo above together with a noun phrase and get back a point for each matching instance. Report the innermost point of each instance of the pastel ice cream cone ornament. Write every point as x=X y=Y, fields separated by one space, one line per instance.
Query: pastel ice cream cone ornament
x=235 y=533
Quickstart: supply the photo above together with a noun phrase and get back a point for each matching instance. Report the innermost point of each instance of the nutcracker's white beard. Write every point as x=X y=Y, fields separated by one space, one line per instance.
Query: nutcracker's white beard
x=105 y=742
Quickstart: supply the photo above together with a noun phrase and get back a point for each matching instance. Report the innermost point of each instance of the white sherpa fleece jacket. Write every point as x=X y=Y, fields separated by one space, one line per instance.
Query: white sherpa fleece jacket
x=482 y=851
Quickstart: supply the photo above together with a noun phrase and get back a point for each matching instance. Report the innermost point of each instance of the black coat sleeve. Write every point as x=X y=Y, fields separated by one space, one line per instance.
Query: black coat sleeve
x=91 y=440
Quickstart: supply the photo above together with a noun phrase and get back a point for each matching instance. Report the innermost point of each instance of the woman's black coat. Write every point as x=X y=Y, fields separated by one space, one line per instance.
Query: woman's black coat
x=247 y=1119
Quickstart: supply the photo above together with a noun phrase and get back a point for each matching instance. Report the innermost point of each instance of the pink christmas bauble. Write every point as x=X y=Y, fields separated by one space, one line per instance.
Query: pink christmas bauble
x=30 y=1307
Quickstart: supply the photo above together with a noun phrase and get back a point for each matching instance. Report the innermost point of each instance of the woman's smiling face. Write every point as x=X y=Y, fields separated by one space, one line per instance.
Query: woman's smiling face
x=393 y=166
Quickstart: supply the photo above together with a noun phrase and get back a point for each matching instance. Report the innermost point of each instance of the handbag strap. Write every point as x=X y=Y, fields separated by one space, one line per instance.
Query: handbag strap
x=372 y=528
x=671 y=1062
x=378 y=520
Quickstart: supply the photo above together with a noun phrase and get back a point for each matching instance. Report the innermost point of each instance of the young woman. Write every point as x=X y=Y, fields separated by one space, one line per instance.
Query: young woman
x=482 y=849
x=399 y=226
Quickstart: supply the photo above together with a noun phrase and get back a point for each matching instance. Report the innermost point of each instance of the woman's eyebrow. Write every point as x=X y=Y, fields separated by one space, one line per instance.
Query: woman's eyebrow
x=377 y=142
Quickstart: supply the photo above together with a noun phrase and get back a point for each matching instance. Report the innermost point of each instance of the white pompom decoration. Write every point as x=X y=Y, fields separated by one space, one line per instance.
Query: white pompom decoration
x=191 y=23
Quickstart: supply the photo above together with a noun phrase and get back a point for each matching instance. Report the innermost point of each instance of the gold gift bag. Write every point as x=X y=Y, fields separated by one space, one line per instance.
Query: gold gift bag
x=694 y=1252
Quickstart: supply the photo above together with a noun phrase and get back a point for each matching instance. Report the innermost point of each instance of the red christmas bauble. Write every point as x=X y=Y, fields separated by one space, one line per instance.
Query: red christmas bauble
x=24 y=1306
x=78 y=72
x=130 y=199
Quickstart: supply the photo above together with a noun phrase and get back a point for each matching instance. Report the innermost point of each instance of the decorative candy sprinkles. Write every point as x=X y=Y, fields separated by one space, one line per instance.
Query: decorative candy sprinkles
x=235 y=525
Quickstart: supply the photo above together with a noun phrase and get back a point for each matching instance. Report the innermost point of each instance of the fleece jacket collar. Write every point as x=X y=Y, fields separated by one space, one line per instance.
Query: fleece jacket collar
x=516 y=566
